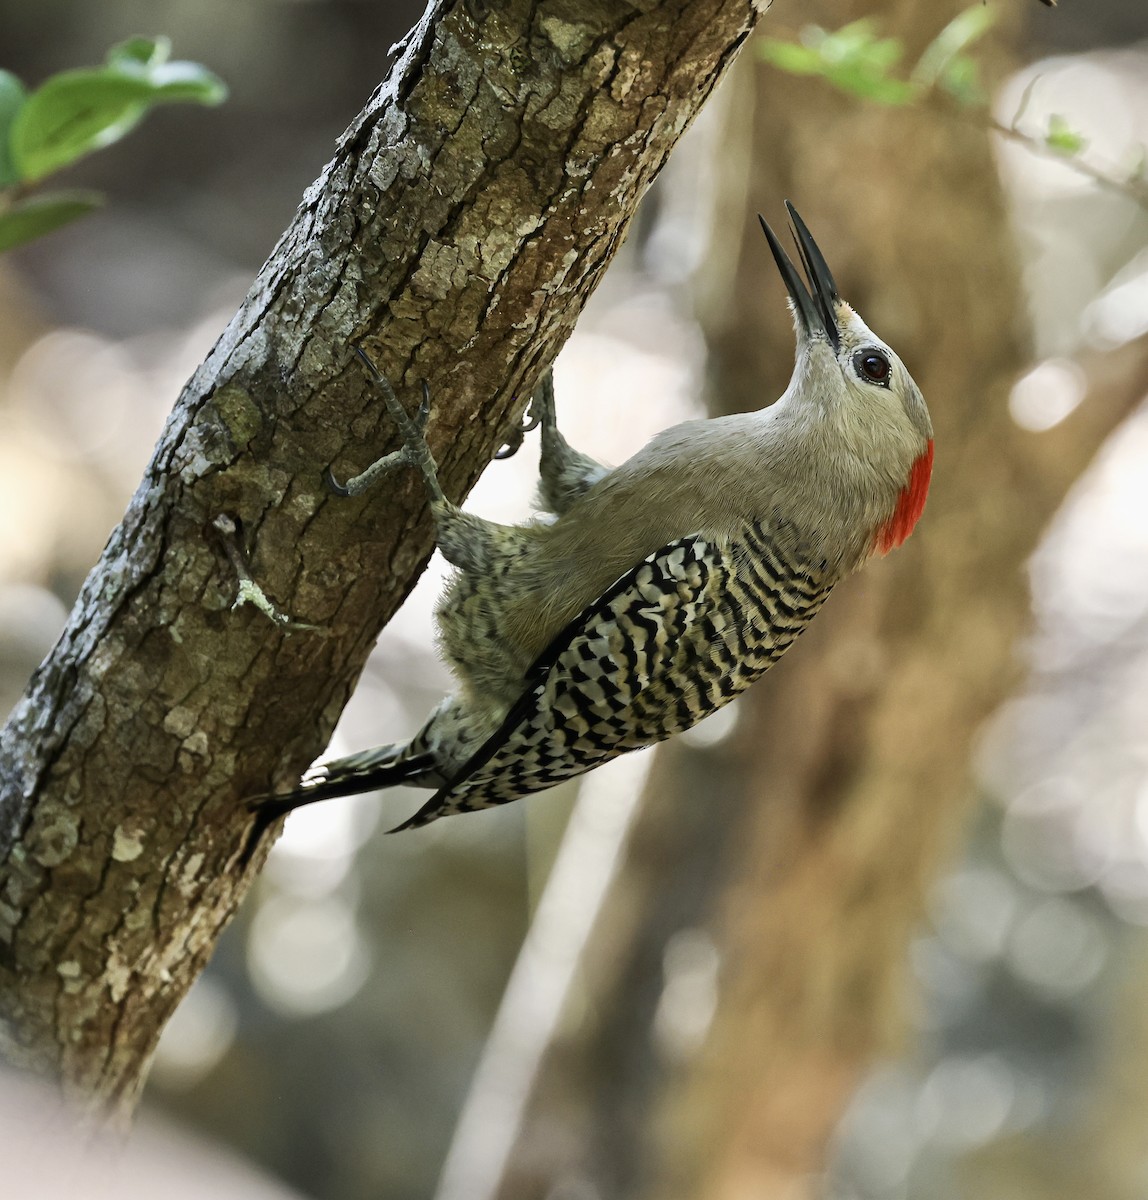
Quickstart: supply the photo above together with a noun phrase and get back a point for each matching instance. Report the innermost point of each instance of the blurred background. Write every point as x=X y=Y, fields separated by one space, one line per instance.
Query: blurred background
x=875 y=932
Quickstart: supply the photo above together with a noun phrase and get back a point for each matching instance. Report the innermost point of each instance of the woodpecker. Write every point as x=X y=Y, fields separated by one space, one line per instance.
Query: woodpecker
x=661 y=588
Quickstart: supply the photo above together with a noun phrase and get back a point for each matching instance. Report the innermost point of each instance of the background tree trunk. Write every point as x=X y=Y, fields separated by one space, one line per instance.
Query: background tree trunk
x=813 y=833
x=467 y=215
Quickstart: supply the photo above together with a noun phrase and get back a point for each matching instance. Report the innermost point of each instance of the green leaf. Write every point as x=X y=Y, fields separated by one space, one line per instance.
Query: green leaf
x=76 y=112
x=37 y=215
x=860 y=81
x=961 y=79
x=789 y=56
x=1062 y=138
x=854 y=59
x=960 y=33
x=846 y=43
x=172 y=81
x=71 y=115
x=857 y=45
x=12 y=96
x=881 y=54
x=147 y=58
x=140 y=51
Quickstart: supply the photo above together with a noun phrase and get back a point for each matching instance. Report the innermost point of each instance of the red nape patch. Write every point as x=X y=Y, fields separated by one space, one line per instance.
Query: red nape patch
x=910 y=505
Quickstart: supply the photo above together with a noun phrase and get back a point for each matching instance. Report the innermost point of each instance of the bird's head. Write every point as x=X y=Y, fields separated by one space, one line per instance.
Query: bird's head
x=850 y=380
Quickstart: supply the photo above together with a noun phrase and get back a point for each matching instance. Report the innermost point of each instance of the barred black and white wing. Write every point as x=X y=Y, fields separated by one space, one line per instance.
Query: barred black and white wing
x=675 y=638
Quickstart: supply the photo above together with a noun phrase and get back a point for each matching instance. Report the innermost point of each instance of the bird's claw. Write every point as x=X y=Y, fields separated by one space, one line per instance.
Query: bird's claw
x=514 y=443
x=333 y=485
x=358 y=484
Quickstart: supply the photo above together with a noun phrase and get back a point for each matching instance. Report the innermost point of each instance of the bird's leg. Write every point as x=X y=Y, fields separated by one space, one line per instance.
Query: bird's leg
x=415 y=451
x=565 y=473
x=542 y=404
x=466 y=541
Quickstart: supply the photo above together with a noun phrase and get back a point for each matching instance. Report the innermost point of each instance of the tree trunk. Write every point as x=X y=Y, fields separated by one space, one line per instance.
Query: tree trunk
x=797 y=853
x=467 y=215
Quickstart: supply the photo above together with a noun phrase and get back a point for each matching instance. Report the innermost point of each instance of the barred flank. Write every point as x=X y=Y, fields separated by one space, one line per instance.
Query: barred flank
x=680 y=635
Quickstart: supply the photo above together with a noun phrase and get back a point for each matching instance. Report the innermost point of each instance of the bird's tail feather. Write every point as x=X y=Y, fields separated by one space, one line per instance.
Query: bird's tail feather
x=385 y=766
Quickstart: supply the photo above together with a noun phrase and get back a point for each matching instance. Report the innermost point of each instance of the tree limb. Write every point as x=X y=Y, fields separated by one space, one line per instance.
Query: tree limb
x=467 y=215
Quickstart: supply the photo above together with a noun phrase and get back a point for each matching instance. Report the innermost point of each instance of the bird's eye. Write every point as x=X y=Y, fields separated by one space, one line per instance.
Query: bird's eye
x=872 y=366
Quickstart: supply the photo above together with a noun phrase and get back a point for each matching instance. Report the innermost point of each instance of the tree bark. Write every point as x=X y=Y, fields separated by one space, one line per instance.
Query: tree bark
x=800 y=850
x=467 y=215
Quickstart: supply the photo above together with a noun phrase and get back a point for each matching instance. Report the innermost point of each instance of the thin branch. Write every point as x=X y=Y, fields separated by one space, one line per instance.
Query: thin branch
x=1130 y=188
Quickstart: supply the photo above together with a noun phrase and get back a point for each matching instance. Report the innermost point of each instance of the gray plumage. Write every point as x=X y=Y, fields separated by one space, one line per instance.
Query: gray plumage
x=664 y=587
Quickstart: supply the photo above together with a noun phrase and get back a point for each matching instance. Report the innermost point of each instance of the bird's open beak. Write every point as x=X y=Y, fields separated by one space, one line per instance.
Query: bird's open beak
x=815 y=303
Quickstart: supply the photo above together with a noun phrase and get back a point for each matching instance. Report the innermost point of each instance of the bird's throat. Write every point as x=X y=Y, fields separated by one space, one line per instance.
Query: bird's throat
x=910 y=505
